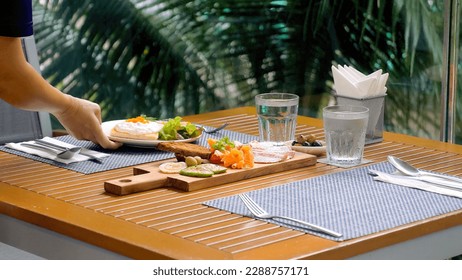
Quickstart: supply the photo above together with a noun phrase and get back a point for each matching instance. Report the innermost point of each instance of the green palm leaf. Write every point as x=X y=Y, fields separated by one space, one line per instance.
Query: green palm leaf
x=176 y=57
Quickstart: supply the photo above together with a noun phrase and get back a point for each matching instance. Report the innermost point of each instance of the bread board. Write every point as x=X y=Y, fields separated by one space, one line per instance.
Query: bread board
x=149 y=177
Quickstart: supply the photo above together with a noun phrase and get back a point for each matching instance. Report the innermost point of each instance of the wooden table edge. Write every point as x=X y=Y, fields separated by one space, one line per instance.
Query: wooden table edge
x=86 y=225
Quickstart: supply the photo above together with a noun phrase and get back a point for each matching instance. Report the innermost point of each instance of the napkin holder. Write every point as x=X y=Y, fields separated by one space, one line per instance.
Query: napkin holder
x=376 y=105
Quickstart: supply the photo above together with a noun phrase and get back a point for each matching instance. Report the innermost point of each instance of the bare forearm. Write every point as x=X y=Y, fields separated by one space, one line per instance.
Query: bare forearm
x=22 y=86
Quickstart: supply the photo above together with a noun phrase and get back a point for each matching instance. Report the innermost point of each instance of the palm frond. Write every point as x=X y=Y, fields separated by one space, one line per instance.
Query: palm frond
x=178 y=57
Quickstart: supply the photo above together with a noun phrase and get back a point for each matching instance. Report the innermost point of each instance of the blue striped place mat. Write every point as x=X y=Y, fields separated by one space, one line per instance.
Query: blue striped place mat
x=350 y=202
x=126 y=155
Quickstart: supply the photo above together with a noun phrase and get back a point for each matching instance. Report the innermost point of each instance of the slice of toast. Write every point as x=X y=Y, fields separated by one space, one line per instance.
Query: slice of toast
x=182 y=149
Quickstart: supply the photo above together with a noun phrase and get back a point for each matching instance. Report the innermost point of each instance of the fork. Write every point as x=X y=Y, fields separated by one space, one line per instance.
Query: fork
x=259 y=212
x=55 y=146
x=213 y=130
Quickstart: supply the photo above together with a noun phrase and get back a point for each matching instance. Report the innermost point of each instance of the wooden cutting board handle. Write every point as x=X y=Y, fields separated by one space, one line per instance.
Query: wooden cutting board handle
x=133 y=184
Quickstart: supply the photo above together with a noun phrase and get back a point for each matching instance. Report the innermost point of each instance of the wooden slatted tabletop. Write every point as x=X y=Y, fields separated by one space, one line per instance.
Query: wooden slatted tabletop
x=170 y=224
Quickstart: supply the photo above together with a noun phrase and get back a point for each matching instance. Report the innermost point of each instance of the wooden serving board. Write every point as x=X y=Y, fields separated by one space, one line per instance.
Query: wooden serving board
x=149 y=177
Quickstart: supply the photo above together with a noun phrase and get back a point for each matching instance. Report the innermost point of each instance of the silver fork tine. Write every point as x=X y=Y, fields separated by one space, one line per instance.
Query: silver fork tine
x=249 y=206
x=259 y=212
x=253 y=207
x=213 y=130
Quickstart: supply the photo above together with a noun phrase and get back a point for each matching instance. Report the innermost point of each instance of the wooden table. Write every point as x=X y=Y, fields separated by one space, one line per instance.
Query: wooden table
x=171 y=224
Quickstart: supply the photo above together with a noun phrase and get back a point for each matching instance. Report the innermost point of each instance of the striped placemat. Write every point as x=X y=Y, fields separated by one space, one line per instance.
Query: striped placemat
x=126 y=155
x=349 y=202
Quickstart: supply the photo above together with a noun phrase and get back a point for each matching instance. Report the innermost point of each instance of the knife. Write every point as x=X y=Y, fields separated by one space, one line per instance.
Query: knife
x=55 y=146
x=433 y=185
x=429 y=179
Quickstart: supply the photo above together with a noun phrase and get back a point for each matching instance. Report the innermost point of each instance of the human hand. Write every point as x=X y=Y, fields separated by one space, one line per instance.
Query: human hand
x=82 y=120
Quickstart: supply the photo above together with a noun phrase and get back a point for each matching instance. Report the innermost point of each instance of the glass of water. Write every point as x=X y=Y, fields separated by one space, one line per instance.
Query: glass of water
x=345 y=129
x=277 y=116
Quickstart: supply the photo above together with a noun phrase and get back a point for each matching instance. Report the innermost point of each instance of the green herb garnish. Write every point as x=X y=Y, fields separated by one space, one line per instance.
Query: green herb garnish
x=151 y=119
x=223 y=143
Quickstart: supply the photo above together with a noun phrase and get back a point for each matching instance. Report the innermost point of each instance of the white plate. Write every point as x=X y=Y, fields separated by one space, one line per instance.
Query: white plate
x=107 y=127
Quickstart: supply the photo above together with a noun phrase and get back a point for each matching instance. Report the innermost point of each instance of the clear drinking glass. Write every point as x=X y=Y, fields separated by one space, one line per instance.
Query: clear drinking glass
x=345 y=129
x=277 y=116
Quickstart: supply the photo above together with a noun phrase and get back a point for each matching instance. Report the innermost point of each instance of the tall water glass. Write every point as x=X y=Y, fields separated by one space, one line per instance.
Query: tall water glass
x=345 y=129
x=277 y=116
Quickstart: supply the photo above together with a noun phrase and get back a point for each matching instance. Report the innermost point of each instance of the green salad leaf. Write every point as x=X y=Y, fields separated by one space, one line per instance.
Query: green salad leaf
x=174 y=130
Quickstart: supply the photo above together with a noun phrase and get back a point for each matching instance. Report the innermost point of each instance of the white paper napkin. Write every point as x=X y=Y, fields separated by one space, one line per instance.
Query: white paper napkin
x=41 y=153
x=408 y=181
x=352 y=83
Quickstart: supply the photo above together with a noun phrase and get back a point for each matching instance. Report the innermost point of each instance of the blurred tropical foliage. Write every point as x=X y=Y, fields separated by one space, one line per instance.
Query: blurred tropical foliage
x=177 y=57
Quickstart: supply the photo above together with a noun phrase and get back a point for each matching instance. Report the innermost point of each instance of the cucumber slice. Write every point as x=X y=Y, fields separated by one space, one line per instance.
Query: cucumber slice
x=216 y=169
x=196 y=171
